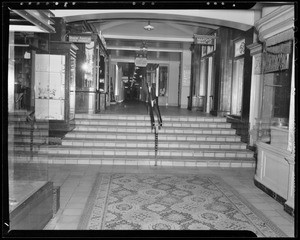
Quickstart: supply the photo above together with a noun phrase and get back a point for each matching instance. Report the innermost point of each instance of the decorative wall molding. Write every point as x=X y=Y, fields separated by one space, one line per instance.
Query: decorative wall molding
x=275 y=22
x=257 y=64
x=203 y=39
x=255 y=48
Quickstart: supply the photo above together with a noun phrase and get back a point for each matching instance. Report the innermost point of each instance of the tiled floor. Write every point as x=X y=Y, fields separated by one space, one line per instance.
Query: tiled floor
x=76 y=182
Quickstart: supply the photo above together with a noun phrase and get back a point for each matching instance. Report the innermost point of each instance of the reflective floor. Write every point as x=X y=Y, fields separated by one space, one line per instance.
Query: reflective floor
x=136 y=107
x=76 y=182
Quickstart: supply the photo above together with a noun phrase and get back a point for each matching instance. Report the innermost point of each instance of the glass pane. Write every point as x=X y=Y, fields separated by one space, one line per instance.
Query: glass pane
x=28 y=135
x=163 y=81
x=237 y=87
x=282 y=95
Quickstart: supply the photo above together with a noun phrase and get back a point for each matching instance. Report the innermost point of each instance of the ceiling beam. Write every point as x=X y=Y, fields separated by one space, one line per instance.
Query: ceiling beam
x=149 y=38
x=149 y=49
x=39 y=18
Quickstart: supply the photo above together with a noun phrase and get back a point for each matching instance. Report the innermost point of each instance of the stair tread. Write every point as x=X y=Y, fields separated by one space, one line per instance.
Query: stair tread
x=134 y=116
x=75 y=131
x=88 y=148
x=149 y=126
x=141 y=158
x=91 y=120
x=105 y=136
x=149 y=140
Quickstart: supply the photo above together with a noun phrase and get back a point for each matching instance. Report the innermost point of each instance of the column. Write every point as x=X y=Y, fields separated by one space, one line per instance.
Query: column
x=291 y=139
x=289 y=204
x=186 y=77
x=11 y=73
x=256 y=90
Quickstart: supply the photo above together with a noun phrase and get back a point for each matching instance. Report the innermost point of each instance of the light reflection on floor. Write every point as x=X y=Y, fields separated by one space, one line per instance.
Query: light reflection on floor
x=140 y=108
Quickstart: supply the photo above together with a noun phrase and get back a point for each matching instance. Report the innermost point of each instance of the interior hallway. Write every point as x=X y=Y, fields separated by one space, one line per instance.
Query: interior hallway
x=138 y=107
x=76 y=181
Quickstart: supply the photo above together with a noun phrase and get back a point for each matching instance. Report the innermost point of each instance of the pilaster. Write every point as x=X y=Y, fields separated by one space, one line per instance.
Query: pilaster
x=256 y=91
x=186 y=77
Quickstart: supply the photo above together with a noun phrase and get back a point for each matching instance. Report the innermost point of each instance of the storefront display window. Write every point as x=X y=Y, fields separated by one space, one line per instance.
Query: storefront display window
x=27 y=134
x=30 y=193
x=238 y=78
x=277 y=83
x=163 y=80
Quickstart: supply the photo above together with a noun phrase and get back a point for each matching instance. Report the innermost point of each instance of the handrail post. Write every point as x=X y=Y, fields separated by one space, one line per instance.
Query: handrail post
x=155 y=126
x=156 y=144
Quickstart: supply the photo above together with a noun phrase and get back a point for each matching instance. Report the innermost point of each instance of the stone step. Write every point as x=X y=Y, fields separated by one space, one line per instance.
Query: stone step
x=146 y=123
x=24 y=140
x=146 y=117
x=23 y=147
x=137 y=160
x=26 y=132
x=128 y=140
x=178 y=130
x=144 y=151
x=150 y=136
x=26 y=125
x=77 y=142
x=18 y=113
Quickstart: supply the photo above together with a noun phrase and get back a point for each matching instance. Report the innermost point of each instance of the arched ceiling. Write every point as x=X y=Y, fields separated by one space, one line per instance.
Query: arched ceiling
x=123 y=30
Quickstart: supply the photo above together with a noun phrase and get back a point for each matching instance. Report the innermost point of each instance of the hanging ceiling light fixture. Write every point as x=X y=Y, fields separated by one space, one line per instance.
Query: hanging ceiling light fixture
x=144 y=47
x=149 y=27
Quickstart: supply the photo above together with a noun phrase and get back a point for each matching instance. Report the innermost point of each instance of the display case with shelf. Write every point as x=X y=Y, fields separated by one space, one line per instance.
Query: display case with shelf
x=55 y=87
x=22 y=89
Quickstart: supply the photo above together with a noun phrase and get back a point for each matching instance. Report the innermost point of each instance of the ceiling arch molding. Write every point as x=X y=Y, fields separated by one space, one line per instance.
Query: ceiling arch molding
x=239 y=19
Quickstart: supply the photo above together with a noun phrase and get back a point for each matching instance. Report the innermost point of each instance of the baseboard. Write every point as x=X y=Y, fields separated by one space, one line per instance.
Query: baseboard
x=274 y=195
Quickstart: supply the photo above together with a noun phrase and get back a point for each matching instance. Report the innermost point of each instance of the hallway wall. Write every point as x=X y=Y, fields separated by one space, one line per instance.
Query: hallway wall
x=173 y=83
x=185 y=77
x=173 y=64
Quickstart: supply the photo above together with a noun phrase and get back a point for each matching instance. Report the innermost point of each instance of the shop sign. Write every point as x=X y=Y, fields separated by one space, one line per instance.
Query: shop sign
x=204 y=39
x=80 y=38
x=141 y=62
x=275 y=62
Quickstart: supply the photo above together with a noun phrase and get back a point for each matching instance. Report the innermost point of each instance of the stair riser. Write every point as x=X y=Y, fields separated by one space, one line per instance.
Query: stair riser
x=150 y=144
x=28 y=133
x=27 y=141
x=23 y=148
x=26 y=126
x=143 y=162
x=147 y=124
x=148 y=152
x=151 y=137
x=148 y=130
x=147 y=118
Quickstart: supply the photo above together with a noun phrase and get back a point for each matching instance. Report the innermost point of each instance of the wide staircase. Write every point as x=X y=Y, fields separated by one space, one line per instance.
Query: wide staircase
x=128 y=140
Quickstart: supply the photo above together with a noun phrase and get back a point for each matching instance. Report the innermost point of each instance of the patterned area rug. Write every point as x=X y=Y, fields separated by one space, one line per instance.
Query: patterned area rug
x=171 y=202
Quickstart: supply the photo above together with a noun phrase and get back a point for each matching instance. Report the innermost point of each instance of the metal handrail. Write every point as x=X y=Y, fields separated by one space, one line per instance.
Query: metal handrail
x=154 y=126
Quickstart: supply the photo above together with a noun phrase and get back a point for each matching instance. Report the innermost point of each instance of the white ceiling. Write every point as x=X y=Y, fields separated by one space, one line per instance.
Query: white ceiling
x=124 y=30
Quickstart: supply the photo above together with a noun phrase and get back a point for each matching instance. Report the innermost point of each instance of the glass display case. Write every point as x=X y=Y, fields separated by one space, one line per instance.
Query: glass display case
x=30 y=193
x=55 y=99
x=27 y=191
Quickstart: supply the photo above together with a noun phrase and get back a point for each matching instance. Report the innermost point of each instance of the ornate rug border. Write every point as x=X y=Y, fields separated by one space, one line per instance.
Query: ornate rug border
x=100 y=178
x=88 y=208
